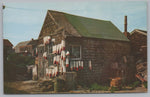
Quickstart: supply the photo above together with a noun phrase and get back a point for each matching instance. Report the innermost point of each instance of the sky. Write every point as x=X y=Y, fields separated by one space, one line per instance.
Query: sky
x=23 y=21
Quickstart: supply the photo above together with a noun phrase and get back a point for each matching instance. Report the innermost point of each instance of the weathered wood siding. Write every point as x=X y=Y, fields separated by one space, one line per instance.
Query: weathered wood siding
x=102 y=54
x=139 y=45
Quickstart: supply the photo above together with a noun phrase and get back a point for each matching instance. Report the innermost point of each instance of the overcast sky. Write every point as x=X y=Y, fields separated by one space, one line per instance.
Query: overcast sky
x=23 y=21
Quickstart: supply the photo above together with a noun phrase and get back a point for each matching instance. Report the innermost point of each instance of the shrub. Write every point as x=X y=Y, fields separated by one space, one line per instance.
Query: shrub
x=135 y=84
x=14 y=64
x=145 y=84
x=95 y=86
x=114 y=89
x=20 y=60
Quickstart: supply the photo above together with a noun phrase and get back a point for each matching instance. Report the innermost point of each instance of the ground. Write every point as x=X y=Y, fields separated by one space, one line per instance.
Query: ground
x=31 y=87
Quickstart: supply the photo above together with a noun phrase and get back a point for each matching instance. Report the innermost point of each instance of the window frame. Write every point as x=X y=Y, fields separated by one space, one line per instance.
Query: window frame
x=80 y=51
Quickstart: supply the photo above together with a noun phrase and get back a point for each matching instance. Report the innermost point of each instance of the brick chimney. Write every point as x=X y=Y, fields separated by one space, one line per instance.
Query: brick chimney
x=125 y=26
x=32 y=39
x=126 y=33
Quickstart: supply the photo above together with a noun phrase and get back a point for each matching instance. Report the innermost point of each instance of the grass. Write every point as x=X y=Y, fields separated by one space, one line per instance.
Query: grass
x=135 y=84
x=96 y=86
x=145 y=84
x=114 y=89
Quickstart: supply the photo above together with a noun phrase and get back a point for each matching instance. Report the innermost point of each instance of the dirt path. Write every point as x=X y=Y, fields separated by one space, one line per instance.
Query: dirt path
x=136 y=90
x=31 y=87
x=25 y=87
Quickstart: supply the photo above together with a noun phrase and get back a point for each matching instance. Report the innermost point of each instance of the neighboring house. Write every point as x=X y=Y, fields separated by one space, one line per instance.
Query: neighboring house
x=9 y=69
x=7 y=43
x=26 y=47
x=8 y=47
x=93 y=48
x=138 y=40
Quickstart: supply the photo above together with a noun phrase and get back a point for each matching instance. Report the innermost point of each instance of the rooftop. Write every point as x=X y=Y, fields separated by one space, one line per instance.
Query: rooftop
x=94 y=28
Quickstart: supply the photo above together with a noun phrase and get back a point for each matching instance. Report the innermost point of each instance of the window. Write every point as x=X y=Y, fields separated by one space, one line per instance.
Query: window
x=75 y=51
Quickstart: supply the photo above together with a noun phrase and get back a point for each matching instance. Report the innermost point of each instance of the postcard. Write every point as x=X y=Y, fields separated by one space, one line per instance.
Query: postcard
x=75 y=47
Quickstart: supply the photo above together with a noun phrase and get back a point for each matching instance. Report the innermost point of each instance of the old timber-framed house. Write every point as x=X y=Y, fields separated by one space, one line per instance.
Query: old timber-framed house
x=90 y=47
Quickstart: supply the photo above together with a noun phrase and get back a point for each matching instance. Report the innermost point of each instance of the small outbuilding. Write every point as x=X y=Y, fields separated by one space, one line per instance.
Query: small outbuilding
x=95 y=49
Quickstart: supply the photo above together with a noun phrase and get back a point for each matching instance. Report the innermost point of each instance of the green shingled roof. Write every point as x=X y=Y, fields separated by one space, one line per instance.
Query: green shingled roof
x=95 y=28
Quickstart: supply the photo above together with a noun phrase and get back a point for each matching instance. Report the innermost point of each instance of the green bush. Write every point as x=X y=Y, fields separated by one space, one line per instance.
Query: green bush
x=95 y=86
x=114 y=89
x=145 y=84
x=20 y=60
x=13 y=64
x=135 y=84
